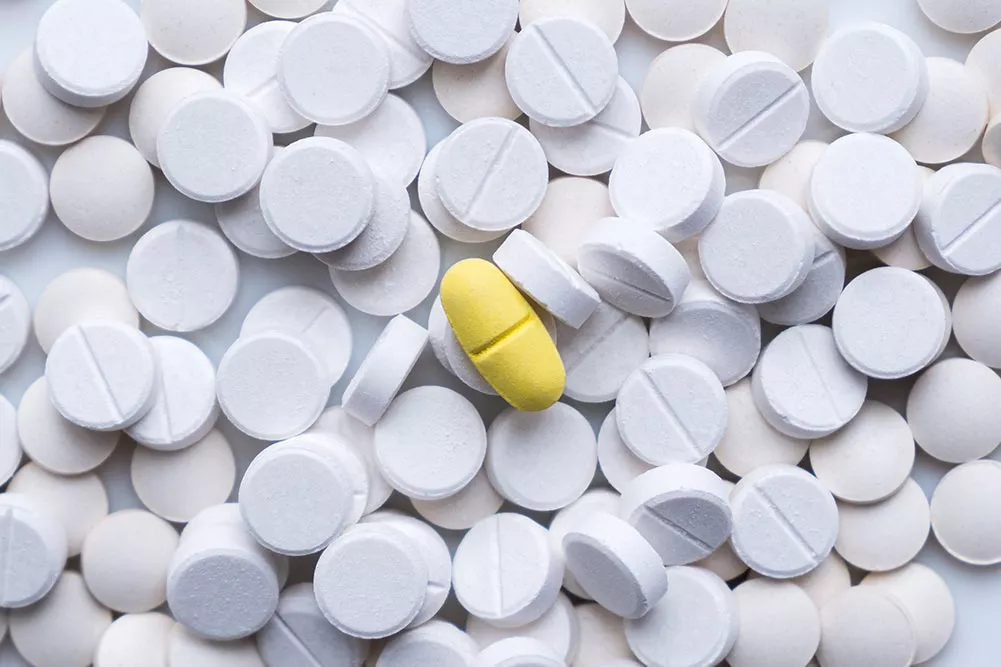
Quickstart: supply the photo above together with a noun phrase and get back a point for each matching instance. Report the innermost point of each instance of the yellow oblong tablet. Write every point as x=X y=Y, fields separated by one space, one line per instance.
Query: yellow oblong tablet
x=503 y=335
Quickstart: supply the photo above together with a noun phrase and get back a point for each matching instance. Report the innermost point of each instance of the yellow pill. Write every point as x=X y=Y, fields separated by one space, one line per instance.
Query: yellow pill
x=503 y=335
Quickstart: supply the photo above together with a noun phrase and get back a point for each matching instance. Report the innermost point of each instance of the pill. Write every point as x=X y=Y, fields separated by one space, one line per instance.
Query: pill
x=983 y=61
x=819 y=292
x=334 y=69
x=102 y=188
x=309 y=315
x=288 y=9
x=518 y=652
x=337 y=423
x=723 y=334
x=825 y=582
x=190 y=32
x=865 y=191
x=213 y=146
x=609 y=17
x=436 y=643
x=69 y=613
x=675 y=20
x=672 y=409
x=864 y=625
x=671 y=82
x=15 y=323
x=155 y=99
x=958 y=219
x=221 y=584
x=242 y=223
x=952 y=118
x=990 y=144
x=383 y=234
x=694 y=624
x=670 y=180
x=437 y=214
x=26 y=188
x=567 y=518
x=77 y=502
x=299 y=636
x=779 y=625
x=459 y=363
x=475 y=90
x=430 y=443
x=965 y=510
x=400 y=283
x=602 y=637
x=558 y=628
x=182 y=275
x=975 y=319
x=505 y=571
x=904 y=253
x=351 y=587
x=885 y=535
x=791 y=174
x=251 y=70
x=570 y=208
x=803 y=387
x=37 y=546
x=475 y=502
x=462 y=34
x=187 y=648
x=785 y=522
x=391 y=138
x=492 y=174
x=135 y=639
x=383 y=371
x=37 y=114
x=926 y=598
x=791 y=31
x=300 y=494
x=618 y=464
x=961 y=17
x=723 y=562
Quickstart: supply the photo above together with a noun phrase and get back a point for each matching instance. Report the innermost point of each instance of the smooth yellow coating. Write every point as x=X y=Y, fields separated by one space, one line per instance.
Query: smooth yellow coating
x=503 y=335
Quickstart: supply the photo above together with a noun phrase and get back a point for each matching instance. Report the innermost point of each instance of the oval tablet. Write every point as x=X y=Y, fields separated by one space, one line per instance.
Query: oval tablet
x=24 y=184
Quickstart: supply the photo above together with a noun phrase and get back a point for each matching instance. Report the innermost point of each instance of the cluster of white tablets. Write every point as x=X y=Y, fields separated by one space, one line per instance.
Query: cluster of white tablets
x=749 y=496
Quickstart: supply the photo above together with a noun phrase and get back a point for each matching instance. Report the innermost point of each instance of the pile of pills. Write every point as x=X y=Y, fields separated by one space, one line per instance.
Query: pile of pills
x=660 y=323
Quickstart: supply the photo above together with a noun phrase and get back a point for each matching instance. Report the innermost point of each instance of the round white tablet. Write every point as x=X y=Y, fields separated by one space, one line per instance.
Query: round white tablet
x=671 y=83
x=15 y=323
x=964 y=512
x=983 y=60
x=670 y=180
x=675 y=20
x=864 y=625
x=214 y=146
x=723 y=562
x=558 y=628
x=566 y=519
x=90 y=53
x=242 y=223
x=505 y=571
x=182 y=275
x=608 y=16
x=177 y=485
x=791 y=30
x=779 y=625
x=991 y=144
x=334 y=69
x=476 y=90
x=337 y=423
x=382 y=235
x=602 y=638
x=140 y=639
x=187 y=648
x=391 y=21
x=887 y=534
x=436 y=643
x=439 y=216
x=475 y=502
x=975 y=318
x=818 y=293
x=37 y=547
x=791 y=174
x=904 y=253
x=462 y=33
x=802 y=385
x=618 y=464
x=193 y=32
x=962 y=17
x=518 y=652
x=25 y=185
x=569 y=210
x=825 y=582
x=541 y=460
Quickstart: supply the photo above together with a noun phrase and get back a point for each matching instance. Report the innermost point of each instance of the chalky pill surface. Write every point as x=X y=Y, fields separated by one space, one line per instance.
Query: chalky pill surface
x=602 y=637
x=439 y=216
x=186 y=647
x=608 y=16
x=288 y=9
x=191 y=32
x=962 y=17
x=791 y=30
x=435 y=643
x=559 y=628
x=25 y=186
x=475 y=90
x=885 y=535
x=36 y=543
x=617 y=463
x=390 y=20
x=15 y=322
x=242 y=223
x=577 y=513
x=779 y=625
x=964 y=511
x=462 y=33
x=569 y=209
x=475 y=502
x=819 y=292
x=675 y=20
x=864 y=624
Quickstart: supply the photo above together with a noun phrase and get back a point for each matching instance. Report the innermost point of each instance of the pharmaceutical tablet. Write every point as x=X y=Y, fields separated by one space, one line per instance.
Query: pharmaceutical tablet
x=476 y=90
x=10 y=442
x=391 y=138
x=288 y=9
x=518 y=652
x=462 y=34
x=961 y=17
x=779 y=625
x=77 y=502
x=953 y=116
x=825 y=582
x=885 y=535
x=982 y=60
x=26 y=187
x=520 y=578
x=602 y=637
x=724 y=563
x=382 y=235
x=137 y=639
x=785 y=522
x=618 y=464
x=436 y=643
x=390 y=20
x=864 y=625
x=904 y=253
x=475 y=502
x=182 y=275
x=251 y=70
x=671 y=82
x=694 y=624
x=213 y=146
x=437 y=214
x=36 y=113
x=890 y=323
x=336 y=422
x=580 y=511
x=964 y=511
x=192 y=32
x=607 y=16
x=670 y=180
x=991 y=144
x=569 y=210
x=674 y=20
x=15 y=323
x=242 y=223
x=38 y=550
x=791 y=174
x=187 y=648
x=819 y=292
x=791 y=31
x=559 y=629
x=974 y=319
x=334 y=69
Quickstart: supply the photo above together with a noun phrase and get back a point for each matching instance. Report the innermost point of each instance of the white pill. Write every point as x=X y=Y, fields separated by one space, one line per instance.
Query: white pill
x=791 y=174
x=828 y=580
x=567 y=214
x=558 y=628
x=602 y=638
x=870 y=78
x=155 y=99
x=566 y=519
x=36 y=114
x=288 y=9
x=505 y=570
x=609 y=17
x=792 y=31
x=982 y=59
x=476 y=90
x=242 y=223
x=299 y=636
x=671 y=83
x=78 y=502
x=518 y=652
x=139 y=639
x=991 y=144
x=865 y=191
x=213 y=146
x=779 y=625
x=383 y=234
x=751 y=108
x=102 y=188
x=865 y=626
x=15 y=323
x=187 y=648
x=885 y=535
x=975 y=319
x=953 y=116
x=334 y=69
x=819 y=292
x=695 y=624
x=384 y=369
x=784 y=521
x=723 y=334
x=462 y=33
x=904 y=253
x=70 y=614
x=670 y=180
x=400 y=283
x=675 y=20
x=182 y=275
x=25 y=186
x=37 y=548
x=475 y=502
x=926 y=598
x=436 y=644
x=492 y=174
x=300 y=494
x=337 y=423
x=962 y=17
x=600 y=355
x=958 y=222
x=271 y=385
x=251 y=70
x=964 y=512
x=723 y=562
x=618 y=464
x=192 y=32
x=90 y=53
x=391 y=139
x=221 y=583
x=178 y=485
x=125 y=559
x=437 y=214
x=803 y=387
